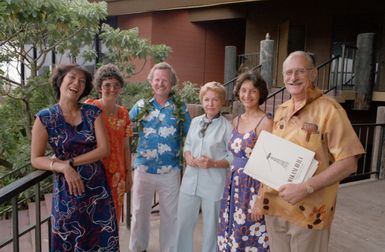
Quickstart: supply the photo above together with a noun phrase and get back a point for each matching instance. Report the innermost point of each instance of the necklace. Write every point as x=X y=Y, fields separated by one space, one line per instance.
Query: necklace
x=107 y=110
x=111 y=113
x=148 y=107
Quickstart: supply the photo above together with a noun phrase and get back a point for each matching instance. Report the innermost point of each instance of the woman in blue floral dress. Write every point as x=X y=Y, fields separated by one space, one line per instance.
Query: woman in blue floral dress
x=83 y=214
x=239 y=229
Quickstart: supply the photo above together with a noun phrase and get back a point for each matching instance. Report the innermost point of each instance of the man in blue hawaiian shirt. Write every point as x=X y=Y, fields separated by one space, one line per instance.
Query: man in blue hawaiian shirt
x=162 y=123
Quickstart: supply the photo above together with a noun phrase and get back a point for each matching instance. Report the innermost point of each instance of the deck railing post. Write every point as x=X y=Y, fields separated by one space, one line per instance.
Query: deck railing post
x=38 y=218
x=342 y=67
x=381 y=157
x=378 y=154
x=15 y=224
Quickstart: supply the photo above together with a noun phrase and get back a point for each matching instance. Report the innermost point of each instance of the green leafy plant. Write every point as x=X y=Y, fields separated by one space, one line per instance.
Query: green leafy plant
x=134 y=92
x=29 y=32
x=190 y=92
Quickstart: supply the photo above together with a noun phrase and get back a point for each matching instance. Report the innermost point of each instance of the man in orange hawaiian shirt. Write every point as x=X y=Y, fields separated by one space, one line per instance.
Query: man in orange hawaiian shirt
x=299 y=216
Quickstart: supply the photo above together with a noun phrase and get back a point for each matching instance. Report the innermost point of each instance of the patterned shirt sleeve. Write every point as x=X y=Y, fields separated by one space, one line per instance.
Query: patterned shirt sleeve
x=128 y=132
x=187 y=120
x=134 y=111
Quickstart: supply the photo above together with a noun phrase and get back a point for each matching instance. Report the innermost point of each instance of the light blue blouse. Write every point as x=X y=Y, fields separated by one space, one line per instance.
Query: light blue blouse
x=207 y=183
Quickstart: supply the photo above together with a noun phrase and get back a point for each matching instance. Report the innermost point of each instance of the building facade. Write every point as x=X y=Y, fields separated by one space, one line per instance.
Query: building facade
x=198 y=31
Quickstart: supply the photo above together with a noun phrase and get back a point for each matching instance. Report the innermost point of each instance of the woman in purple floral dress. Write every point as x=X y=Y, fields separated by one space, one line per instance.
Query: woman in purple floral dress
x=83 y=213
x=239 y=229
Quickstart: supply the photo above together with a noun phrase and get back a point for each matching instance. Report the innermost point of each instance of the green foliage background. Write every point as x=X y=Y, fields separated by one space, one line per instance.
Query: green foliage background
x=65 y=27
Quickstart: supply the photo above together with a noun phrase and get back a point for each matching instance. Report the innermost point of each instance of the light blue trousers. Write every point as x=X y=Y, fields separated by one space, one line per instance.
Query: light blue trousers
x=188 y=213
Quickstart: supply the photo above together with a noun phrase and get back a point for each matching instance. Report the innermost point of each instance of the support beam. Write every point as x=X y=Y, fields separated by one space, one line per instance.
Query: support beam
x=230 y=69
x=364 y=70
x=266 y=57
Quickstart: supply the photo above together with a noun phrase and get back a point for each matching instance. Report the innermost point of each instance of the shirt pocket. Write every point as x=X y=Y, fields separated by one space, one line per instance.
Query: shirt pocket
x=310 y=140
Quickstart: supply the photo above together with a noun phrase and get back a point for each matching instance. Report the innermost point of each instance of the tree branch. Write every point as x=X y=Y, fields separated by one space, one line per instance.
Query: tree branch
x=9 y=38
x=141 y=69
x=6 y=164
x=9 y=80
x=53 y=46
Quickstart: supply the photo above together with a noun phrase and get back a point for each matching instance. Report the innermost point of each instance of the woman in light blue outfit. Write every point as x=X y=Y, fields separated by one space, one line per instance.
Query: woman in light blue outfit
x=207 y=160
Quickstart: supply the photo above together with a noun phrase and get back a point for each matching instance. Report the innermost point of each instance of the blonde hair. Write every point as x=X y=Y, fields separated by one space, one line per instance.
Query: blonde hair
x=214 y=86
x=164 y=66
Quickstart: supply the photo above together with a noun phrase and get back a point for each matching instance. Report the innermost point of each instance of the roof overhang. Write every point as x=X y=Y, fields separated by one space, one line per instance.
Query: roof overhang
x=123 y=7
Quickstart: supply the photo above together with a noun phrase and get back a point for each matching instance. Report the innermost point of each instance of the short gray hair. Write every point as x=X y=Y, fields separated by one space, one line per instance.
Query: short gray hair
x=308 y=55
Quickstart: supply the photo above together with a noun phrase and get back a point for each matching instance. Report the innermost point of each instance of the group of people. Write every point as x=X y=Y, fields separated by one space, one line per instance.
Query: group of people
x=92 y=163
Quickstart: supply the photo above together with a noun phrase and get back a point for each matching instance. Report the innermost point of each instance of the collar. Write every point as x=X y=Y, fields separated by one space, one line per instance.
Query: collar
x=312 y=93
x=205 y=119
x=167 y=104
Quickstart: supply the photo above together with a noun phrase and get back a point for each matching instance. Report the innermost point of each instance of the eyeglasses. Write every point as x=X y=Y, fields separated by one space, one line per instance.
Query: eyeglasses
x=296 y=71
x=109 y=86
x=204 y=125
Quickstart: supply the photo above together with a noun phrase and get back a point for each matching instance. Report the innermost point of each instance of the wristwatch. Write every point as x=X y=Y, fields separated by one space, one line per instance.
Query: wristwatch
x=309 y=188
x=71 y=162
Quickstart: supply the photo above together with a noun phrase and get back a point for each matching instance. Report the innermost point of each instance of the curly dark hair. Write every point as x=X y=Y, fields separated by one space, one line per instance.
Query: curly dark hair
x=60 y=71
x=258 y=82
x=105 y=72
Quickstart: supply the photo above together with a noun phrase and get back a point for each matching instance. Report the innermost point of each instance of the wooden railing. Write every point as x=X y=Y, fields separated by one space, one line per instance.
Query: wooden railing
x=10 y=193
x=248 y=60
x=372 y=136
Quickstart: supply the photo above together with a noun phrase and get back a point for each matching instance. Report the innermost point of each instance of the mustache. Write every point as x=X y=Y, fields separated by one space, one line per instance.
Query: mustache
x=295 y=83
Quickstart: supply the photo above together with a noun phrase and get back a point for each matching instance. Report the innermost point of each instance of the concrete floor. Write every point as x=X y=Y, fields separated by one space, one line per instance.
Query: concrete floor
x=359 y=223
x=124 y=235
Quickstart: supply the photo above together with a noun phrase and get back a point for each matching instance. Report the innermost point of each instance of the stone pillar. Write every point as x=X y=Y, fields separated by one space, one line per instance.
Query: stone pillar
x=364 y=70
x=379 y=144
x=230 y=69
x=266 y=57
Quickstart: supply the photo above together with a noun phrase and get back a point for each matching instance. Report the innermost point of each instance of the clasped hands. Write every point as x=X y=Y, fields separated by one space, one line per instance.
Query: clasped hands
x=200 y=162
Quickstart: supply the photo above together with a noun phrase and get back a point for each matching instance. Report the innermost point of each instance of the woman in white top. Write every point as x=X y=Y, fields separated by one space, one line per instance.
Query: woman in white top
x=207 y=160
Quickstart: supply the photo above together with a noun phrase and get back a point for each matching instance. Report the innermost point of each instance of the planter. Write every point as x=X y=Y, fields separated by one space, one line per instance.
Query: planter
x=195 y=110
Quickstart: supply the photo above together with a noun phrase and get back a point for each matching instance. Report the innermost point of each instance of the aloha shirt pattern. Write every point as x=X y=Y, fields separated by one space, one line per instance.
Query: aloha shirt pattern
x=160 y=140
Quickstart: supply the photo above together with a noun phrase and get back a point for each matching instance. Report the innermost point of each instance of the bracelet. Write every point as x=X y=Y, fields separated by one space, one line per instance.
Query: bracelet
x=51 y=165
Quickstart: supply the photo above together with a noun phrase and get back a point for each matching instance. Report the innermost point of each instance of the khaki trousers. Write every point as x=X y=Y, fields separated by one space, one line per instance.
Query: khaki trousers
x=288 y=237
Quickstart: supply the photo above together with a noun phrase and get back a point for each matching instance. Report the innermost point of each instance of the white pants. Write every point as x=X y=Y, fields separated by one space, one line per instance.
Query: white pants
x=188 y=212
x=144 y=187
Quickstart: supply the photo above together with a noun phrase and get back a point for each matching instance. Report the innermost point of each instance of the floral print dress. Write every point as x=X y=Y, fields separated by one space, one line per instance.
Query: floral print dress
x=118 y=129
x=236 y=230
